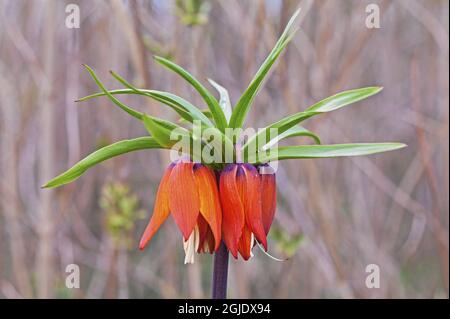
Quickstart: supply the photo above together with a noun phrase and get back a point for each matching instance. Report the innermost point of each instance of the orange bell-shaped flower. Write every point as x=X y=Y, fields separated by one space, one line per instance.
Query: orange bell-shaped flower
x=189 y=193
x=247 y=214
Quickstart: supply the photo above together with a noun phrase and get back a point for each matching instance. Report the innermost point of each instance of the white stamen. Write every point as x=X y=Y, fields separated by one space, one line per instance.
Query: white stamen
x=265 y=252
x=191 y=245
x=252 y=241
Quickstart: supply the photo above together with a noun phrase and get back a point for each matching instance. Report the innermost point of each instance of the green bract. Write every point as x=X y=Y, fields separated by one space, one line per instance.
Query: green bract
x=220 y=117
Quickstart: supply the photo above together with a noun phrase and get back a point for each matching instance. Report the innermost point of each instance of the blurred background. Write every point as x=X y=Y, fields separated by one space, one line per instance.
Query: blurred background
x=334 y=216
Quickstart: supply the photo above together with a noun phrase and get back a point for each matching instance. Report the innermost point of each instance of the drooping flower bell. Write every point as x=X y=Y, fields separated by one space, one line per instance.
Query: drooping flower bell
x=189 y=193
x=248 y=200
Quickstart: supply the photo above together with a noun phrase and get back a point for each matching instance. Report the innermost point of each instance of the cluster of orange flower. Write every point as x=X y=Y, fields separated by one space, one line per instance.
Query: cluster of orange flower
x=236 y=205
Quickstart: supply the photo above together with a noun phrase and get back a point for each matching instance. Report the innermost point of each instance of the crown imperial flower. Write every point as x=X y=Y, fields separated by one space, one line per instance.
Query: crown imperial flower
x=189 y=193
x=221 y=201
x=241 y=198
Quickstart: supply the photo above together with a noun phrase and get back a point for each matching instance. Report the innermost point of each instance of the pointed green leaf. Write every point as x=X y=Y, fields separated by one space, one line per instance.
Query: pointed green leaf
x=142 y=92
x=113 y=92
x=323 y=151
x=162 y=132
x=344 y=98
x=163 y=135
x=206 y=112
x=224 y=100
x=124 y=107
x=243 y=105
x=292 y=132
x=185 y=109
x=327 y=105
x=249 y=153
x=181 y=111
x=213 y=105
x=174 y=100
x=101 y=155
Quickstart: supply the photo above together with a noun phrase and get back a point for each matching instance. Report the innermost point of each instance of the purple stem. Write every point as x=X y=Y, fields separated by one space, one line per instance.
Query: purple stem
x=220 y=273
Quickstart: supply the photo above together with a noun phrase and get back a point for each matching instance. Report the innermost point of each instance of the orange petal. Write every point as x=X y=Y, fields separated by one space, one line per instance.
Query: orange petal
x=183 y=198
x=208 y=194
x=202 y=231
x=160 y=210
x=209 y=242
x=232 y=209
x=206 y=240
x=245 y=243
x=269 y=199
x=251 y=197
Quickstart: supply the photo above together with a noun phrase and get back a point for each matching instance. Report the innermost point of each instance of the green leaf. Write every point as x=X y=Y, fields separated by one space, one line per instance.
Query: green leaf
x=323 y=151
x=142 y=92
x=292 y=132
x=113 y=92
x=249 y=154
x=206 y=112
x=213 y=105
x=161 y=132
x=243 y=105
x=344 y=98
x=182 y=112
x=224 y=100
x=101 y=155
x=174 y=100
x=329 y=104
x=185 y=109
x=124 y=107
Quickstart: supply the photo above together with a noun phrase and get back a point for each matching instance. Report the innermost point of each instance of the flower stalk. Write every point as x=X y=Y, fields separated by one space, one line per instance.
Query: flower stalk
x=220 y=273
